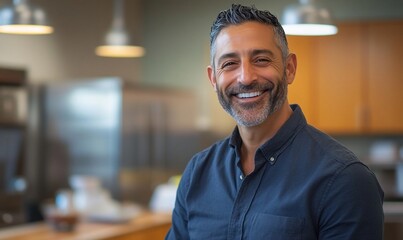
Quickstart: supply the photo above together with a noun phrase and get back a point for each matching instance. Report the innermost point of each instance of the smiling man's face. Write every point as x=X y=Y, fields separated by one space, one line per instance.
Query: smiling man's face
x=249 y=73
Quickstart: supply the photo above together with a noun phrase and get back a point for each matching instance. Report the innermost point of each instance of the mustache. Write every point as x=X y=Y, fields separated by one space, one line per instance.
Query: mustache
x=253 y=87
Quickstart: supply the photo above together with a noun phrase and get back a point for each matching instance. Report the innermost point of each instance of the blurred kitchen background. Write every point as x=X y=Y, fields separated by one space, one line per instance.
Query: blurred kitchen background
x=135 y=122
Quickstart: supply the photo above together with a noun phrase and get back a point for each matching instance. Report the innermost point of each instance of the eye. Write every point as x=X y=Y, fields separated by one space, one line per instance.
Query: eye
x=262 y=61
x=228 y=64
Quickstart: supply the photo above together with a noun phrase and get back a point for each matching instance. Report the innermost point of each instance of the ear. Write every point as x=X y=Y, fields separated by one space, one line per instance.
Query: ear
x=291 y=67
x=211 y=76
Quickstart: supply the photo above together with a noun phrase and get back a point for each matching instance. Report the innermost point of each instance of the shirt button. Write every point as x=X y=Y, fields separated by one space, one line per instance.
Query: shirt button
x=241 y=177
x=272 y=159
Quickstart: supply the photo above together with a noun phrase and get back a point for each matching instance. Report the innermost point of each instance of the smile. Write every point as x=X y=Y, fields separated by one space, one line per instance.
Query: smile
x=249 y=95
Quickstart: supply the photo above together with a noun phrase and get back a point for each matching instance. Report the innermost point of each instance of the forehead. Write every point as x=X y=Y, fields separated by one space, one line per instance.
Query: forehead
x=245 y=37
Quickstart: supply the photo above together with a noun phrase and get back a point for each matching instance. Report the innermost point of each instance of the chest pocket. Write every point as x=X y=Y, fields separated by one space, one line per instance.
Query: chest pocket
x=272 y=227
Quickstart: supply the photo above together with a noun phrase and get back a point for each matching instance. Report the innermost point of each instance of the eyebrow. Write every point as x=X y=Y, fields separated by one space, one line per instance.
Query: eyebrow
x=262 y=51
x=226 y=56
x=253 y=53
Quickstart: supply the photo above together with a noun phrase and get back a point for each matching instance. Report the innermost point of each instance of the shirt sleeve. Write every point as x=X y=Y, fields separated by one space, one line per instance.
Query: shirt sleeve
x=352 y=206
x=179 y=228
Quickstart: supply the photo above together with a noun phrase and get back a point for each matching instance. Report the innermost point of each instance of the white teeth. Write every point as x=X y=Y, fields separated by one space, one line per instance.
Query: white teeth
x=248 y=95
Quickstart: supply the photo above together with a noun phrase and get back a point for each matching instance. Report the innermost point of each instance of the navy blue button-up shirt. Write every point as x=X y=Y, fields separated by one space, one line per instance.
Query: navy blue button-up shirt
x=305 y=186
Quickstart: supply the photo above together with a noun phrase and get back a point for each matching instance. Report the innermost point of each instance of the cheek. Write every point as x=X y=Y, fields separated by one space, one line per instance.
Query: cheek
x=221 y=83
x=270 y=73
x=225 y=79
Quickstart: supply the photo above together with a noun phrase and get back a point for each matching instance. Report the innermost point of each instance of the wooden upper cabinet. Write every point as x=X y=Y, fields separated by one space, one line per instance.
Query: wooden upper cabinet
x=385 y=78
x=352 y=82
x=339 y=81
x=302 y=90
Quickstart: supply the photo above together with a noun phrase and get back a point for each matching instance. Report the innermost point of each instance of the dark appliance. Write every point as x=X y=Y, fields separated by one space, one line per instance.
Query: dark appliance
x=13 y=113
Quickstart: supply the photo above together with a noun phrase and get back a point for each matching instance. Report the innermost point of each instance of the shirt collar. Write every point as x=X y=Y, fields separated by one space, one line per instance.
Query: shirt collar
x=276 y=145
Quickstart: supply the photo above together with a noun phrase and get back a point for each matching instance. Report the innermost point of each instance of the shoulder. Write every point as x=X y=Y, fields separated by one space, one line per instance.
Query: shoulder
x=345 y=171
x=349 y=180
x=351 y=192
x=328 y=147
x=207 y=157
x=209 y=154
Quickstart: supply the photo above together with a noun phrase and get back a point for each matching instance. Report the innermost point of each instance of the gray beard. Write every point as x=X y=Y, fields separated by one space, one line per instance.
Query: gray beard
x=277 y=97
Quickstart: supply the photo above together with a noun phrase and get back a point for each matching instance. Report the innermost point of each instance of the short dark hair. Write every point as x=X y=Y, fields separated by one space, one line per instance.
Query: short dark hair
x=238 y=14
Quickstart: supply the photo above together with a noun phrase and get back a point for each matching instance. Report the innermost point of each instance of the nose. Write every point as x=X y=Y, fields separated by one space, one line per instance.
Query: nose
x=247 y=74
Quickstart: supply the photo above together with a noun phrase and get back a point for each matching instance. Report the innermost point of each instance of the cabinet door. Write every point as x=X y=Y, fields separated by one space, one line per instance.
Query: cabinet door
x=302 y=90
x=339 y=67
x=385 y=80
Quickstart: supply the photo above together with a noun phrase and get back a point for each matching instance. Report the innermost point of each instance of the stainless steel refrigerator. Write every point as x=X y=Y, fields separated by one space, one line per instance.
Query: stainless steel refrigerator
x=132 y=138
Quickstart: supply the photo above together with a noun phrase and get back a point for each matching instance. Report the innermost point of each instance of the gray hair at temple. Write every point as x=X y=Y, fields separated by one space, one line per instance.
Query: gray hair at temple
x=238 y=14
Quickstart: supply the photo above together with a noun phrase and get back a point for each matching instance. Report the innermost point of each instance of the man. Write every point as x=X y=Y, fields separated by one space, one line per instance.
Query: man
x=275 y=177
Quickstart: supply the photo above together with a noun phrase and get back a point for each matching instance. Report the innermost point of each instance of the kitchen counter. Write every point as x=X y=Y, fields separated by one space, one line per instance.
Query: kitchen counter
x=144 y=227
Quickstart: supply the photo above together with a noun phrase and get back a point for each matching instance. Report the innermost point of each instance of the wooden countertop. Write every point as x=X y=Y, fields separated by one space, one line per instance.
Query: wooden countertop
x=146 y=226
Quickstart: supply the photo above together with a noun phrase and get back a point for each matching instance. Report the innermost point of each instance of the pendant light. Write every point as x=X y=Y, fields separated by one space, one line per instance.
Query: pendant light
x=23 y=18
x=306 y=18
x=117 y=39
